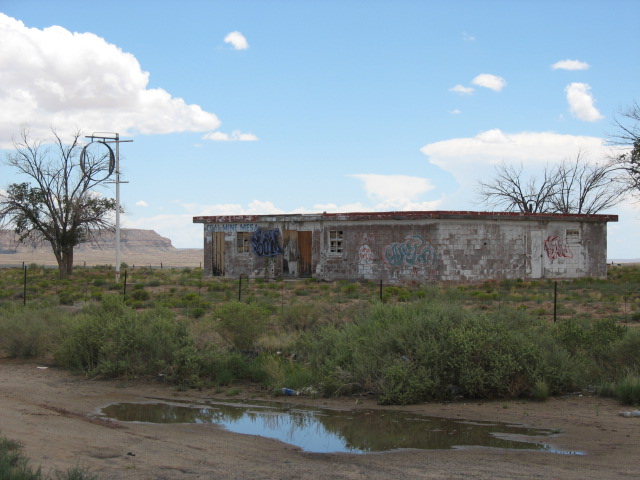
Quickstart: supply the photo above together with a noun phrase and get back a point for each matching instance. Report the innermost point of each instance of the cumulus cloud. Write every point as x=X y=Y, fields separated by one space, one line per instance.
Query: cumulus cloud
x=581 y=102
x=393 y=187
x=78 y=80
x=142 y=203
x=492 y=82
x=237 y=40
x=456 y=112
x=570 y=65
x=462 y=90
x=464 y=158
x=235 y=136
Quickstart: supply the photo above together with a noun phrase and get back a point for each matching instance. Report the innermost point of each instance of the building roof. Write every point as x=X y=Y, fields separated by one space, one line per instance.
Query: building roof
x=411 y=215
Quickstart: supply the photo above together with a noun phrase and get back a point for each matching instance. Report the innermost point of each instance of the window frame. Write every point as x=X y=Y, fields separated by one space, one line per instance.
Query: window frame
x=572 y=236
x=336 y=241
x=243 y=244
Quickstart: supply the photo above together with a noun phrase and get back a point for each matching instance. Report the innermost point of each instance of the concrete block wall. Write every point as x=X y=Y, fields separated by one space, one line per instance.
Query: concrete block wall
x=456 y=249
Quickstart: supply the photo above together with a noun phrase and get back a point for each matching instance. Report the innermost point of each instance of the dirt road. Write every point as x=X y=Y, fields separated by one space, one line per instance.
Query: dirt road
x=50 y=412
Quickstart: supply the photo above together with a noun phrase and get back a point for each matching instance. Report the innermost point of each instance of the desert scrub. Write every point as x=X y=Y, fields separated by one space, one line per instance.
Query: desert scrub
x=406 y=353
x=241 y=324
x=14 y=465
x=114 y=340
x=299 y=316
x=29 y=331
x=627 y=390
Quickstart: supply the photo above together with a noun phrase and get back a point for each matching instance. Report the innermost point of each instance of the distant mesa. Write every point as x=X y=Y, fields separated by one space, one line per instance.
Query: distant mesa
x=134 y=240
x=137 y=247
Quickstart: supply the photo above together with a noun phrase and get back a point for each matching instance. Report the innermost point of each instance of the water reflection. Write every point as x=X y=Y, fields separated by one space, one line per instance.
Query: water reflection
x=321 y=430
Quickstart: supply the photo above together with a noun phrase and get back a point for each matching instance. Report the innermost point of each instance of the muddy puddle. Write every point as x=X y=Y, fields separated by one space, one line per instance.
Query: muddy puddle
x=324 y=431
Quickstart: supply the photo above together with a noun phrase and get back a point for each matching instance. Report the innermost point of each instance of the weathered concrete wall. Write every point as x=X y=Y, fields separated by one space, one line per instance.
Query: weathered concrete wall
x=430 y=250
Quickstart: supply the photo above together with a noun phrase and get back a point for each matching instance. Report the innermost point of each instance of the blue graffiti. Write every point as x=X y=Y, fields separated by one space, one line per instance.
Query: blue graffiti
x=414 y=251
x=265 y=243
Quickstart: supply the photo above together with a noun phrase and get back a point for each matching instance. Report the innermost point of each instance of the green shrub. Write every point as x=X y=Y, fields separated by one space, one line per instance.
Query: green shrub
x=299 y=316
x=140 y=295
x=627 y=390
x=241 y=324
x=404 y=383
x=29 y=331
x=13 y=464
x=540 y=391
x=114 y=340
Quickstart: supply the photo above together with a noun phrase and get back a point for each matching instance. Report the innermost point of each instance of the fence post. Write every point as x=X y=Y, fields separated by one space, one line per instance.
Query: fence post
x=124 y=287
x=24 y=292
x=380 y=289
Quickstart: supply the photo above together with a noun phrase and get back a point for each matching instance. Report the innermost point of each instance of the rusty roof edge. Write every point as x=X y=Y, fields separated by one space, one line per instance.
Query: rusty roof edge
x=402 y=215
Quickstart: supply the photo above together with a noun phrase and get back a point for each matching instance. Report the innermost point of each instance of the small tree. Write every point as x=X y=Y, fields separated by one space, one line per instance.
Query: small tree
x=572 y=186
x=60 y=206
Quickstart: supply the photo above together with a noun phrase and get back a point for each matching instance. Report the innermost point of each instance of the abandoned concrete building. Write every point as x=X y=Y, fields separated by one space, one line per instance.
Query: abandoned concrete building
x=397 y=247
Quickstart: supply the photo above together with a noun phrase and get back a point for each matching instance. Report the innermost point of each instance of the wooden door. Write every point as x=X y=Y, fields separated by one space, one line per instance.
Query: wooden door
x=304 y=260
x=217 y=254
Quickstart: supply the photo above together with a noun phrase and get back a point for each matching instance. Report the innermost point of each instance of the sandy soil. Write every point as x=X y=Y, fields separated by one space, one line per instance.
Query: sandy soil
x=50 y=411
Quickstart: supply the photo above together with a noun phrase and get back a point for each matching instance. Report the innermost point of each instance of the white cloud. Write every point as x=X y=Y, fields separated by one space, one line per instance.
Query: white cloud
x=394 y=188
x=581 y=102
x=468 y=38
x=53 y=77
x=456 y=112
x=570 y=65
x=237 y=40
x=142 y=203
x=492 y=82
x=462 y=90
x=236 y=136
x=467 y=158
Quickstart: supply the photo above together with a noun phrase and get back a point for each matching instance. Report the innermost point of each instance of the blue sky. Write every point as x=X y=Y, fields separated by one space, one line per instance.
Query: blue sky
x=255 y=107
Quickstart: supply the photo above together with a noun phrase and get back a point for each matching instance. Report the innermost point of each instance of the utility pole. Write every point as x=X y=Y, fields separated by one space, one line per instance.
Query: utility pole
x=106 y=138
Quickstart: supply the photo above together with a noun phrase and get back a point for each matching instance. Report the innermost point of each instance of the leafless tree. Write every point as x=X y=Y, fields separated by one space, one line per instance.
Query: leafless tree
x=585 y=187
x=571 y=186
x=628 y=135
x=58 y=204
x=510 y=191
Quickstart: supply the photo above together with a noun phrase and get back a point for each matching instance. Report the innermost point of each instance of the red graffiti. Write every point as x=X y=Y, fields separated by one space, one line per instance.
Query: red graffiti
x=365 y=253
x=557 y=247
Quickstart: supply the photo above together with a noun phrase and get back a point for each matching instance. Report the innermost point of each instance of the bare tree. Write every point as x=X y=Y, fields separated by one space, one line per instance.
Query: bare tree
x=628 y=135
x=572 y=186
x=60 y=206
x=511 y=192
x=585 y=187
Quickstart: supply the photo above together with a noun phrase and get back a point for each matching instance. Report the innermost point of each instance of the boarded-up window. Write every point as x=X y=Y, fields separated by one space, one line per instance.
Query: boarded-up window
x=573 y=236
x=243 y=242
x=335 y=241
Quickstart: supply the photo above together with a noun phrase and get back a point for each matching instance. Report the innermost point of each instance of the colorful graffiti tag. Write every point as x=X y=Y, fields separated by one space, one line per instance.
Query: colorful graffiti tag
x=415 y=251
x=265 y=243
x=556 y=247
